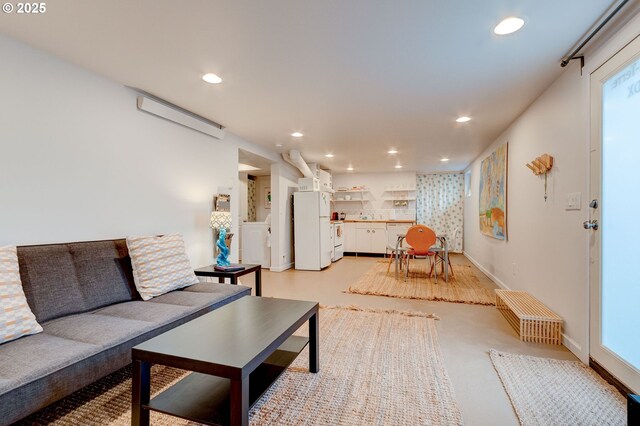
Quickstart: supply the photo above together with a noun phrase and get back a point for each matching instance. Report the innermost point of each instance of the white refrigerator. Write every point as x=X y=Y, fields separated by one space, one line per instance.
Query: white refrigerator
x=312 y=230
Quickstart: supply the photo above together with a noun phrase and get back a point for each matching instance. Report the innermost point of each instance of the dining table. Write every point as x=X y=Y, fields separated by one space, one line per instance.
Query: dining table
x=442 y=250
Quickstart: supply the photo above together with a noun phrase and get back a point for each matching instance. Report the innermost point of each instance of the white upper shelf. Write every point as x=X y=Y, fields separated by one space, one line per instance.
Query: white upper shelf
x=350 y=190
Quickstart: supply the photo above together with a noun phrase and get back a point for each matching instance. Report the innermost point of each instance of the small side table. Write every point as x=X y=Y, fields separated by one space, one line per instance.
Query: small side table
x=209 y=271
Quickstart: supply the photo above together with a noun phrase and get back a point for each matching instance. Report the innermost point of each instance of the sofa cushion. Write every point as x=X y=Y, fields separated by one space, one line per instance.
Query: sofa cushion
x=66 y=279
x=195 y=299
x=160 y=264
x=32 y=357
x=157 y=313
x=101 y=330
x=103 y=269
x=16 y=318
x=207 y=287
x=49 y=281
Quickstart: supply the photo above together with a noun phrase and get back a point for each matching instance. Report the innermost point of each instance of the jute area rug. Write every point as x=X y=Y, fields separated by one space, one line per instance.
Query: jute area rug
x=547 y=391
x=463 y=287
x=376 y=368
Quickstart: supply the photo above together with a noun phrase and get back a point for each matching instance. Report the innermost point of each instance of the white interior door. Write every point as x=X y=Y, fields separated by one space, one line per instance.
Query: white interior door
x=615 y=241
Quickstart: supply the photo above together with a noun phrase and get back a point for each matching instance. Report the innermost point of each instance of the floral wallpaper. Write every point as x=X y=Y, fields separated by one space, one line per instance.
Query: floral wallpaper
x=251 y=199
x=439 y=205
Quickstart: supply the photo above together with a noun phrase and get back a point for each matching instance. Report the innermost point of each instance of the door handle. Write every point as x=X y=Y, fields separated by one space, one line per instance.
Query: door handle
x=590 y=224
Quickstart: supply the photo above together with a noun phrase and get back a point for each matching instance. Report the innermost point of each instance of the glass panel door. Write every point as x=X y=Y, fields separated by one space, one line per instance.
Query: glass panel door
x=615 y=239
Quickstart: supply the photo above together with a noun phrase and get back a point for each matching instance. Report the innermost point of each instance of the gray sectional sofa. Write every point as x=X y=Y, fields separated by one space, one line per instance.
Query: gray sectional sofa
x=84 y=297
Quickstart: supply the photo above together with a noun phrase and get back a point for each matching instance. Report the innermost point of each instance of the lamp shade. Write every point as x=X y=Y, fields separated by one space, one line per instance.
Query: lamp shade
x=221 y=220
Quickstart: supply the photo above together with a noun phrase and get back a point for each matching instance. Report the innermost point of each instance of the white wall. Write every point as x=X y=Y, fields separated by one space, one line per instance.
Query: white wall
x=547 y=249
x=78 y=161
x=376 y=183
x=243 y=196
x=284 y=182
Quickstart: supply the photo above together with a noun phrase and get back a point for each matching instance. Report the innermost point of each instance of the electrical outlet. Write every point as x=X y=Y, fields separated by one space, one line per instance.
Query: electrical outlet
x=572 y=201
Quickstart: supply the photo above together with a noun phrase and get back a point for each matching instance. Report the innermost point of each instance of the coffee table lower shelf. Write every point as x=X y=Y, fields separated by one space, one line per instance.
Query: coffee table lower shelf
x=204 y=398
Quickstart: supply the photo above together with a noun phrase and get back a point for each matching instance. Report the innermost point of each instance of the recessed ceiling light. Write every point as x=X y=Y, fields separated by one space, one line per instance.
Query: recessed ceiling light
x=211 y=78
x=329 y=155
x=279 y=145
x=392 y=151
x=444 y=160
x=350 y=168
x=297 y=134
x=398 y=166
x=509 y=25
x=463 y=119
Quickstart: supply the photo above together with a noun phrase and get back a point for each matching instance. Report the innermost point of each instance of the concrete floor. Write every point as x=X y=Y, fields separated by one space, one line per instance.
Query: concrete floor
x=466 y=332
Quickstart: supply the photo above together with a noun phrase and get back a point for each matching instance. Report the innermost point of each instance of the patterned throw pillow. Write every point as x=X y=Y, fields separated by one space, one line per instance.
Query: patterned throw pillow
x=160 y=264
x=16 y=318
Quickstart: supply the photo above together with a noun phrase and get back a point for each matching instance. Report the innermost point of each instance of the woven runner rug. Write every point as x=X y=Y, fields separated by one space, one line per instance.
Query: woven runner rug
x=547 y=391
x=463 y=287
x=376 y=368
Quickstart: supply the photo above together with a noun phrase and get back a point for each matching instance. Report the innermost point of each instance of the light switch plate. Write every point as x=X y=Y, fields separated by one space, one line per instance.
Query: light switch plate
x=573 y=201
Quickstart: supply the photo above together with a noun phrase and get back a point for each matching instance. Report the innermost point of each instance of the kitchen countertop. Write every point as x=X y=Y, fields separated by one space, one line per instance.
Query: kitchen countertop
x=378 y=221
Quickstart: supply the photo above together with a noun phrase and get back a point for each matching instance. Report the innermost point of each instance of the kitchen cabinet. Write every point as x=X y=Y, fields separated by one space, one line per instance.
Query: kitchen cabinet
x=349 y=244
x=379 y=240
x=371 y=237
x=394 y=230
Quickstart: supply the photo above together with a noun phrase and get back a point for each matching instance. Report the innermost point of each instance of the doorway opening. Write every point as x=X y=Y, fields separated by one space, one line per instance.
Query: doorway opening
x=255 y=196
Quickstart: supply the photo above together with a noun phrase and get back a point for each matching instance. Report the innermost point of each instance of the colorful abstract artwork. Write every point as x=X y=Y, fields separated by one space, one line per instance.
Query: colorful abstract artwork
x=493 y=194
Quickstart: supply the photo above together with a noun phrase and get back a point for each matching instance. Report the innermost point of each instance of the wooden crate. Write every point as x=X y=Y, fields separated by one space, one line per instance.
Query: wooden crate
x=533 y=321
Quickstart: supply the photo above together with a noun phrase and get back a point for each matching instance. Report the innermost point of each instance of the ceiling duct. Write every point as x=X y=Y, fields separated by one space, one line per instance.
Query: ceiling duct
x=178 y=115
x=294 y=158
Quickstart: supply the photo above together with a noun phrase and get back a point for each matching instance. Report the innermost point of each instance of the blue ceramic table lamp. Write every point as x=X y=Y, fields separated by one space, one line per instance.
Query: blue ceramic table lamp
x=223 y=250
x=221 y=223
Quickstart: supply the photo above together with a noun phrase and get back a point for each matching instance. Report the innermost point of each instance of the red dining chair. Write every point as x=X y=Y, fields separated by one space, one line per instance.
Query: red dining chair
x=421 y=239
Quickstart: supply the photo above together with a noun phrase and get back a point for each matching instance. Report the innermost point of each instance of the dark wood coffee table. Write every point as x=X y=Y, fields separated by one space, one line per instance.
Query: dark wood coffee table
x=235 y=352
x=209 y=271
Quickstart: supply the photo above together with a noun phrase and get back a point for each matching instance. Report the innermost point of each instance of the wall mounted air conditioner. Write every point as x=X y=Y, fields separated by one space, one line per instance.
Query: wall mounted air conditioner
x=180 y=116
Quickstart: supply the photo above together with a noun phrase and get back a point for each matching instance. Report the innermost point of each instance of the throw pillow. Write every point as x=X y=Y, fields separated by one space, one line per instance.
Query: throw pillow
x=160 y=264
x=16 y=318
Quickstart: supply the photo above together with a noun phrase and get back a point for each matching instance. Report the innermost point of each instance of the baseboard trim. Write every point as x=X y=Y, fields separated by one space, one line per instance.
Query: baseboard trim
x=486 y=272
x=281 y=267
x=567 y=341
x=572 y=345
x=354 y=254
x=621 y=387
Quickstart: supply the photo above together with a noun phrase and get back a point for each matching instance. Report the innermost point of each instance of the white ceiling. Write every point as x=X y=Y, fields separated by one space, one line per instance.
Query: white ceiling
x=357 y=77
x=254 y=160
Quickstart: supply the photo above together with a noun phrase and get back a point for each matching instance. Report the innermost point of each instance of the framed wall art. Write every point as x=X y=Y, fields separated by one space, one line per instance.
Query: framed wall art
x=267 y=198
x=493 y=194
